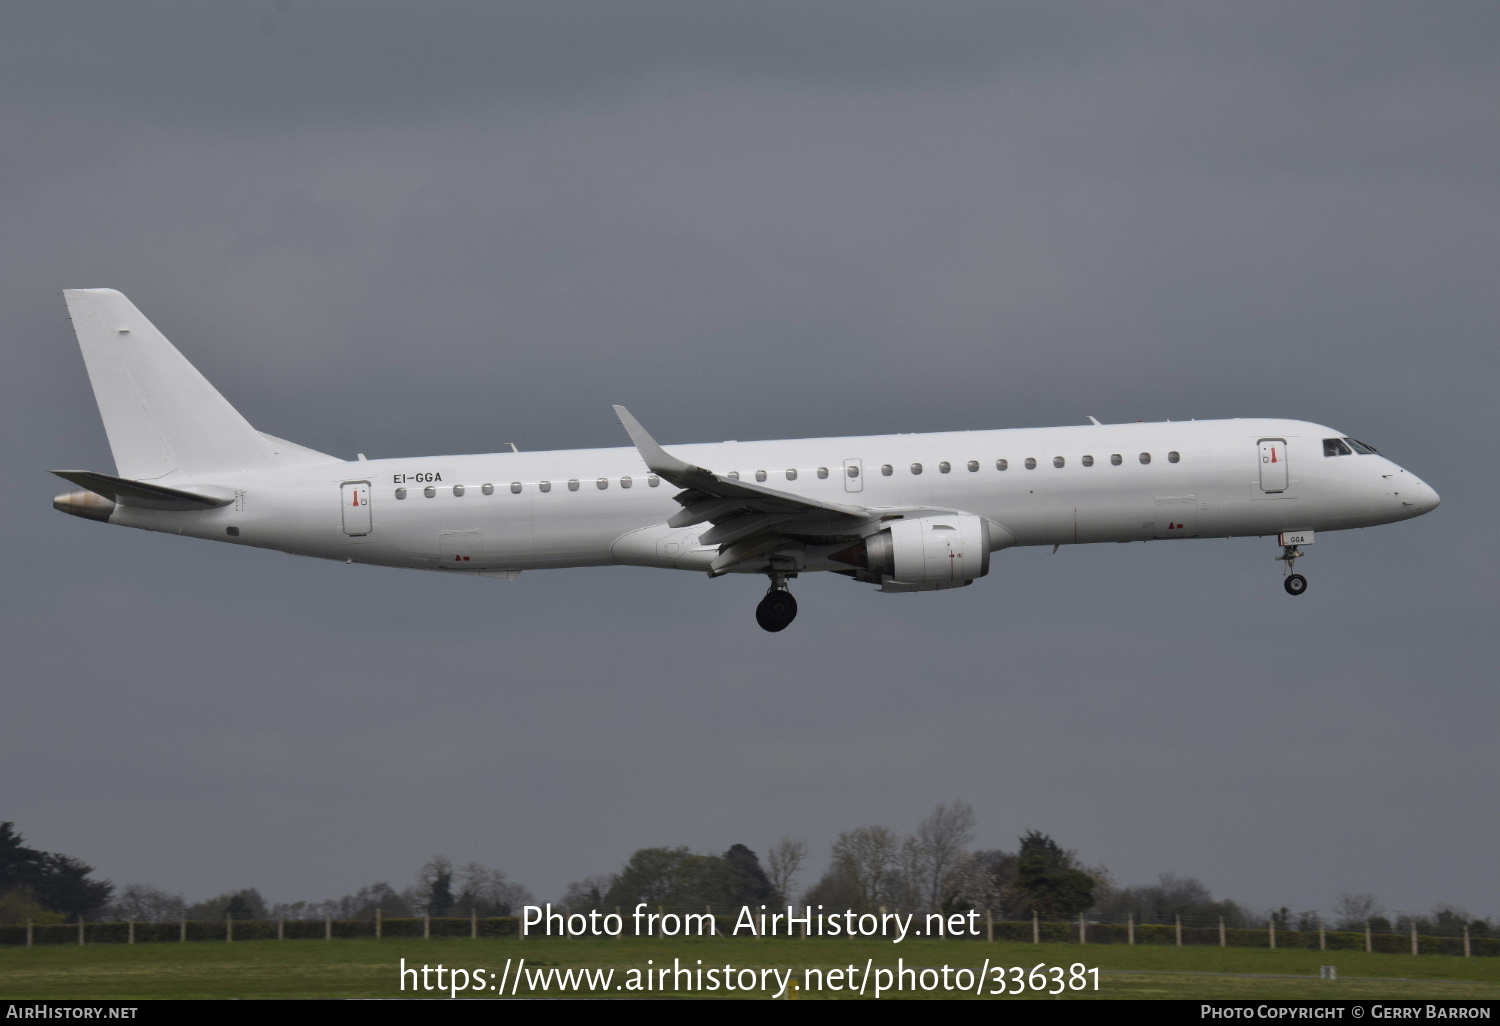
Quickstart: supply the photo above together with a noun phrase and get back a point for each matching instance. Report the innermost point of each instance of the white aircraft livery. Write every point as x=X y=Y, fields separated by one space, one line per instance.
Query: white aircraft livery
x=917 y=512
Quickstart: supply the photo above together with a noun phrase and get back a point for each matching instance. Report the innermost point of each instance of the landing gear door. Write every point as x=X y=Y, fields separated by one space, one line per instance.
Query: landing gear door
x=356 y=498
x=854 y=476
x=1273 y=476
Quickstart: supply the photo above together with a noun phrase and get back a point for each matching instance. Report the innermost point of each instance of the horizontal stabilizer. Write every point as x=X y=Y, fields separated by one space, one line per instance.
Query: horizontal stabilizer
x=143 y=495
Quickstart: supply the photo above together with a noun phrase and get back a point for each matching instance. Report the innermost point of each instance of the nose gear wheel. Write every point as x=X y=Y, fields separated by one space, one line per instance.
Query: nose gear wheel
x=1295 y=584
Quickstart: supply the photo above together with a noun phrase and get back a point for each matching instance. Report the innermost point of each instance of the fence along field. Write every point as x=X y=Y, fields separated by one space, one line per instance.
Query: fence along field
x=1195 y=933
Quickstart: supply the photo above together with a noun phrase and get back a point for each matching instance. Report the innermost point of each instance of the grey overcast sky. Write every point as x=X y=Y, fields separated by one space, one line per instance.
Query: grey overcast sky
x=401 y=229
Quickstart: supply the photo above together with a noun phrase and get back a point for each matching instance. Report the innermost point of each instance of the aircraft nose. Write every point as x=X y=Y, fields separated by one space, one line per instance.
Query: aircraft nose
x=1420 y=495
x=1429 y=500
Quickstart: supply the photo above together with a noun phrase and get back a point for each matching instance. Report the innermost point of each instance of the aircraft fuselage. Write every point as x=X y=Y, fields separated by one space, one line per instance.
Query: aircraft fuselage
x=595 y=507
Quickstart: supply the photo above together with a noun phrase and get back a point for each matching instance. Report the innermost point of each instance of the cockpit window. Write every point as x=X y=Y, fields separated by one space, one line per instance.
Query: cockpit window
x=1335 y=447
x=1361 y=447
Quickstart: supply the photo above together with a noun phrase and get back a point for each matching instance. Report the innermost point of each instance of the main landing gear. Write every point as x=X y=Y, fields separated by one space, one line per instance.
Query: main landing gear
x=778 y=609
x=1295 y=584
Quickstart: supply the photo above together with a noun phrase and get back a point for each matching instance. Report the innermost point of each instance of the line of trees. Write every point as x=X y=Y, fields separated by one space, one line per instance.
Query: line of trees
x=45 y=887
x=936 y=869
x=933 y=869
x=442 y=889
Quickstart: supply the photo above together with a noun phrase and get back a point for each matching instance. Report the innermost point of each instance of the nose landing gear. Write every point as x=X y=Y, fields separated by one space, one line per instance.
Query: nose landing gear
x=778 y=609
x=1295 y=584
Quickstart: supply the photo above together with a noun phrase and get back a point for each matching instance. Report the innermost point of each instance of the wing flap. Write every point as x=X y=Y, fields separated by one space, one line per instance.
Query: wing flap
x=706 y=509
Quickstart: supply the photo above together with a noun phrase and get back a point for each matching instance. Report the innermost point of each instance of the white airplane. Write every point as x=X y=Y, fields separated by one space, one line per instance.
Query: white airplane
x=904 y=512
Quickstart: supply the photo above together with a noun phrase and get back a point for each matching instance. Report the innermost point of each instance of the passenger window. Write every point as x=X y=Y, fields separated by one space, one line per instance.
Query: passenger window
x=652 y=480
x=973 y=466
x=458 y=490
x=1030 y=463
x=625 y=482
x=544 y=486
x=1002 y=464
x=487 y=489
x=429 y=491
x=760 y=475
x=602 y=483
x=1335 y=447
x=1174 y=456
x=916 y=468
x=400 y=493
x=1088 y=461
x=1058 y=461
x=1145 y=458
x=887 y=470
x=822 y=472
x=1115 y=460
x=572 y=484
x=515 y=488
x=733 y=475
x=852 y=471
x=791 y=475
x=944 y=467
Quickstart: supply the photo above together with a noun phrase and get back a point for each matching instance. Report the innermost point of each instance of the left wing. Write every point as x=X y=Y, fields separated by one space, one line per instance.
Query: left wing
x=749 y=521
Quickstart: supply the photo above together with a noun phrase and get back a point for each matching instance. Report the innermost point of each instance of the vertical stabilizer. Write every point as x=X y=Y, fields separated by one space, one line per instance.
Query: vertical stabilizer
x=161 y=415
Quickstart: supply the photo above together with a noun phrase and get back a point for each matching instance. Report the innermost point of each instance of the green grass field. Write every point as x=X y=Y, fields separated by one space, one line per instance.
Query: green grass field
x=369 y=968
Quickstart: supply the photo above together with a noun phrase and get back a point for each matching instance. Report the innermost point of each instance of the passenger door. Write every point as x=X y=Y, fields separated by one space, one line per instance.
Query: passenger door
x=1273 y=475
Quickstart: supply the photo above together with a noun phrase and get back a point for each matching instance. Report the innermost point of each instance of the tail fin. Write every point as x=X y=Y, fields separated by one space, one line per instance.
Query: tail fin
x=162 y=417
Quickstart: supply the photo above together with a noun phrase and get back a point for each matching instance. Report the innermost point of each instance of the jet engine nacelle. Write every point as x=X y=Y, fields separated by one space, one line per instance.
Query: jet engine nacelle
x=923 y=554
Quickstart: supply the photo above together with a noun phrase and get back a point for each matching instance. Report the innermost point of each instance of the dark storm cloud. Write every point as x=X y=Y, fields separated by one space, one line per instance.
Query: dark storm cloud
x=243 y=65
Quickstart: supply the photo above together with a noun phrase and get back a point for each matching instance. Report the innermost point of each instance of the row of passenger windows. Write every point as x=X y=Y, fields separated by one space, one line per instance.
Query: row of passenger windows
x=945 y=467
x=1059 y=462
x=852 y=470
x=652 y=481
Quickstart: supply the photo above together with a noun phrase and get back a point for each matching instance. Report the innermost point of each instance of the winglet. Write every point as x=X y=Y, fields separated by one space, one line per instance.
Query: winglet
x=688 y=476
x=657 y=458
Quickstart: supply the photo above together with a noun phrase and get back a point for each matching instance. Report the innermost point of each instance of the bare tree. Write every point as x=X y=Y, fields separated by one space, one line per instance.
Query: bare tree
x=587 y=895
x=907 y=889
x=1353 y=911
x=867 y=859
x=784 y=862
x=971 y=882
x=488 y=892
x=143 y=904
x=942 y=838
